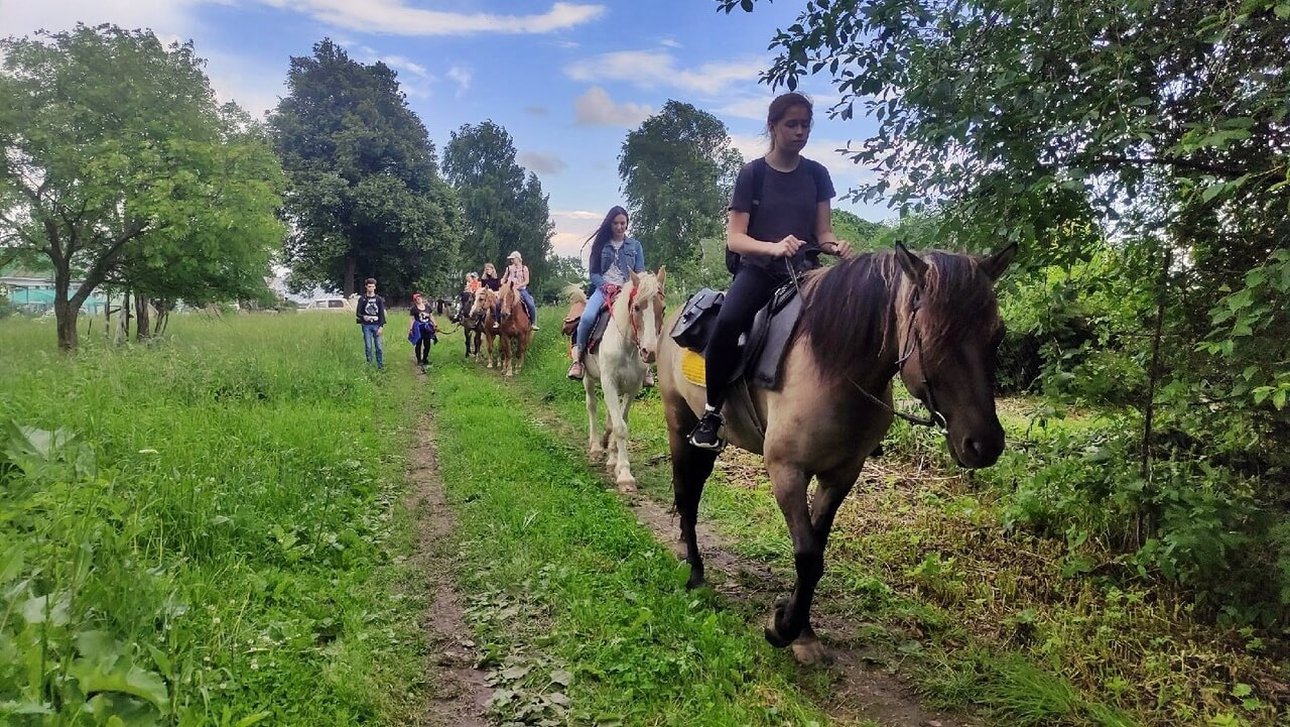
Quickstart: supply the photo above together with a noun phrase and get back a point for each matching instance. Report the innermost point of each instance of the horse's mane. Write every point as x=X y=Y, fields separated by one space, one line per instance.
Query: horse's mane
x=851 y=308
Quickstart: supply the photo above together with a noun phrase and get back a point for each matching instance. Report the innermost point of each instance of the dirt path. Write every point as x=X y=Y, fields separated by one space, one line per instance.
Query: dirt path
x=862 y=688
x=458 y=690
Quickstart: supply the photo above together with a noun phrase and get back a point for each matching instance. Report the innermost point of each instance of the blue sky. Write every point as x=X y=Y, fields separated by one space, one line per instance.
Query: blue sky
x=568 y=80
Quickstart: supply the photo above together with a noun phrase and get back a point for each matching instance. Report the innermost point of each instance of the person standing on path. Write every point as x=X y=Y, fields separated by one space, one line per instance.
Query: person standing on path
x=370 y=314
x=422 y=332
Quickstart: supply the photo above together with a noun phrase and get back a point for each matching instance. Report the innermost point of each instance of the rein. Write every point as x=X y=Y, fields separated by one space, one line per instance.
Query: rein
x=916 y=344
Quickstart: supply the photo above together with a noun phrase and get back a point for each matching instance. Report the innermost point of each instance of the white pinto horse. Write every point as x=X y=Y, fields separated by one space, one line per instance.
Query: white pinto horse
x=630 y=344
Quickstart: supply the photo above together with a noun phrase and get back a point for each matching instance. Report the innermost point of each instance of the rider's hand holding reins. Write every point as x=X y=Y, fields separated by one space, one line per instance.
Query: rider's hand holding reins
x=787 y=247
x=841 y=248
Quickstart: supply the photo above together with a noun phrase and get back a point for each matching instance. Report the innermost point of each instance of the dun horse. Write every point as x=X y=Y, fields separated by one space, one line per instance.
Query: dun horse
x=932 y=319
x=629 y=345
x=515 y=330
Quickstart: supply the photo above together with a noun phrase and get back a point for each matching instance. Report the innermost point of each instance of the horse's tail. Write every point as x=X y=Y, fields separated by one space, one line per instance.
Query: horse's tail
x=575 y=293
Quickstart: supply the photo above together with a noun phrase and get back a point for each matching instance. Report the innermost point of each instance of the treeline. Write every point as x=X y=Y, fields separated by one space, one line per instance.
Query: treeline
x=122 y=171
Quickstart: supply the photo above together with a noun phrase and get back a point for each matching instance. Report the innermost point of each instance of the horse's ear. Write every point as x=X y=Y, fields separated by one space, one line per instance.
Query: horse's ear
x=999 y=262
x=636 y=279
x=662 y=275
x=912 y=264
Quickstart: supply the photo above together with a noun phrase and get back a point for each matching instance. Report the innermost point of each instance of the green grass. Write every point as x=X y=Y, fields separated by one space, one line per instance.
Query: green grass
x=222 y=553
x=573 y=598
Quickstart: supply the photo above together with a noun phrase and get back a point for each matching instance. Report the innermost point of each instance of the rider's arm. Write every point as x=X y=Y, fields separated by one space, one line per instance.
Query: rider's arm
x=738 y=239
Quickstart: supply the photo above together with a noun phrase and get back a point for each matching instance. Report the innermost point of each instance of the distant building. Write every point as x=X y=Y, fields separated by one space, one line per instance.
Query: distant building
x=33 y=292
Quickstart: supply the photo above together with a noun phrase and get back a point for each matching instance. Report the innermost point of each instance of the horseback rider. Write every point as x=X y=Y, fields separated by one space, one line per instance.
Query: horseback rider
x=614 y=257
x=792 y=226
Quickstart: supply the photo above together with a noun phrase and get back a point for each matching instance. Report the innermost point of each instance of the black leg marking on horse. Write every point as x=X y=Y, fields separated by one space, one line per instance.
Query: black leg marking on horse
x=691 y=467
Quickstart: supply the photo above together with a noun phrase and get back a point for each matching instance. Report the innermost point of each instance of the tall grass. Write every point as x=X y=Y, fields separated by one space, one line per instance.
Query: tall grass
x=207 y=537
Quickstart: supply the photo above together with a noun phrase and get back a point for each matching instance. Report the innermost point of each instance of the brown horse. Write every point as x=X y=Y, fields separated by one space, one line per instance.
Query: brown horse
x=516 y=329
x=483 y=314
x=932 y=319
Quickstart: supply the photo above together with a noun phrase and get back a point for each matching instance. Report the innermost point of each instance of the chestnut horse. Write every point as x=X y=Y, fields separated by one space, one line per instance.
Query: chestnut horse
x=516 y=329
x=483 y=314
x=629 y=345
x=932 y=319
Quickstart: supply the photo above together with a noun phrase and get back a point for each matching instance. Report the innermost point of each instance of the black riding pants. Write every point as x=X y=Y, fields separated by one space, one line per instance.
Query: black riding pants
x=751 y=289
x=423 y=346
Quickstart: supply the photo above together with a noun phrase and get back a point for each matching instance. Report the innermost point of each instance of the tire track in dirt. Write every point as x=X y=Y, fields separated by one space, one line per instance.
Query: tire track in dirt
x=861 y=688
x=458 y=690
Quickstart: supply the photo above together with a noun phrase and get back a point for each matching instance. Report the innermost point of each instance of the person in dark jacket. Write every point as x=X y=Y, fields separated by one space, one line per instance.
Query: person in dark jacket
x=370 y=314
x=793 y=224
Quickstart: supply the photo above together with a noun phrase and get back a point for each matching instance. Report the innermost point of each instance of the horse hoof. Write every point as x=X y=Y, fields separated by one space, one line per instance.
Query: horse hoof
x=627 y=485
x=772 y=630
x=696 y=580
x=810 y=652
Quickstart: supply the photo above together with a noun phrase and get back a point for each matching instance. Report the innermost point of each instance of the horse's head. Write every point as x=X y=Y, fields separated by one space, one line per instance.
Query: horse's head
x=646 y=301
x=481 y=303
x=509 y=298
x=948 y=329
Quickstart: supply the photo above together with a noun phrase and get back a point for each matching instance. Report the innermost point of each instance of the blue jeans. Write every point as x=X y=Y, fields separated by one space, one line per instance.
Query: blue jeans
x=529 y=305
x=594 y=304
x=372 y=339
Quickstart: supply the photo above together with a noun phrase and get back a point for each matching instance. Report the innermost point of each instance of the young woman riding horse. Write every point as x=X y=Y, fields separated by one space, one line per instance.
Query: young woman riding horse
x=792 y=224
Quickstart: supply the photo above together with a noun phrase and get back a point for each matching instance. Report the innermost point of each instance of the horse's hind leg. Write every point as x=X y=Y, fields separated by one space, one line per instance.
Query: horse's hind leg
x=691 y=468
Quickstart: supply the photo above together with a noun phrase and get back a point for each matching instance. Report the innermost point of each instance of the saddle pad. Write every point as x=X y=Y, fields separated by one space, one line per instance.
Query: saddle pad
x=692 y=368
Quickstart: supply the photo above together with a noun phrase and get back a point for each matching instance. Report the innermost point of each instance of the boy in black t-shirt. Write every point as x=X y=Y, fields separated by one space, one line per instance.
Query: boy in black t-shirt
x=370 y=314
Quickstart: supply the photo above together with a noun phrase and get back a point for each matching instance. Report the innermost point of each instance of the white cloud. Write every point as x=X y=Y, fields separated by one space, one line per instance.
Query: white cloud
x=659 y=69
x=164 y=17
x=669 y=43
x=596 y=108
x=541 y=163
x=396 y=17
x=572 y=228
x=462 y=76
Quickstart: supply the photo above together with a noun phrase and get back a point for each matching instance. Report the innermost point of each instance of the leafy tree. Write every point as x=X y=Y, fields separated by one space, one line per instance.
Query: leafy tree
x=505 y=209
x=561 y=271
x=365 y=197
x=214 y=262
x=678 y=171
x=115 y=151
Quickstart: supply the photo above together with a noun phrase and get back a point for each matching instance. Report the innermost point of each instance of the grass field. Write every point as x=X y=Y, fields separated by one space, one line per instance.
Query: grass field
x=211 y=530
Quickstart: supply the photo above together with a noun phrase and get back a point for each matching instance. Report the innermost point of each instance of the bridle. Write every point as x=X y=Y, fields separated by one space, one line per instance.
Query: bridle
x=914 y=343
x=636 y=318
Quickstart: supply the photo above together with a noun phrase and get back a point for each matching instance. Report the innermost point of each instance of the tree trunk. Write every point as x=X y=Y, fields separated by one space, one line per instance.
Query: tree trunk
x=351 y=269
x=142 y=327
x=64 y=311
x=163 y=315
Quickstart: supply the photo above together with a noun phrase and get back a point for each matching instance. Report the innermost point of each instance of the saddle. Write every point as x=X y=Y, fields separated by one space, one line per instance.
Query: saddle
x=763 y=346
x=602 y=319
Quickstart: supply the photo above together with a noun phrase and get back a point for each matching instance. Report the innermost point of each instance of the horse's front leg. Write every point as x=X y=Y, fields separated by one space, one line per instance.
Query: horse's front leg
x=617 y=403
x=594 y=449
x=792 y=615
x=833 y=487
